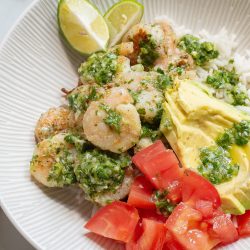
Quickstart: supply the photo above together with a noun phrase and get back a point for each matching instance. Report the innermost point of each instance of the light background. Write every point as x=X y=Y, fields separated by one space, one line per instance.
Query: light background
x=10 y=239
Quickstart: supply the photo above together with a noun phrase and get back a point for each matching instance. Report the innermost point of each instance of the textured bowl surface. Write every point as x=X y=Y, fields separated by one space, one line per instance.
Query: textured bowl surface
x=34 y=65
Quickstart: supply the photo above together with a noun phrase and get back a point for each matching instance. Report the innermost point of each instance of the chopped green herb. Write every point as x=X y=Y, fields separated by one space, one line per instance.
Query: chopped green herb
x=77 y=102
x=226 y=139
x=100 y=172
x=99 y=67
x=141 y=111
x=144 y=82
x=77 y=141
x=202 y=52
x=158 y=116
x=217 y=165
x=147 y=132
x=239 y=97
x=160 y=71
x=148 y=53
x=163 y=205
x=62 y=172
x=80 y=101
x=228 y=80
x=239 y=134
x=135 y=95
x=179 y=70
x=163 y=81
x=221 y=77
x=113 y=118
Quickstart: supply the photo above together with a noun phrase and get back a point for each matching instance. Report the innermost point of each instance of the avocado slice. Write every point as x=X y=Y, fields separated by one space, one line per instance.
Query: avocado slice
x=193 y=119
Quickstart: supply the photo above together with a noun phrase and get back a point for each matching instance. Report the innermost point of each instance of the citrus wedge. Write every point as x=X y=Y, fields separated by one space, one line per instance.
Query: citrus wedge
x=82 y=25
x=121 y=17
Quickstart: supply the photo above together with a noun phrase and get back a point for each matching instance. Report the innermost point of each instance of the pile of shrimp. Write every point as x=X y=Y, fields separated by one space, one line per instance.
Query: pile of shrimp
x=117 y=94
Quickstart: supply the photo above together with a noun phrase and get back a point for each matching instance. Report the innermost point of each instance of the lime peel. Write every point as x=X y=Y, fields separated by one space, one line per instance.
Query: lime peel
x=130 y=11
x=82 y=26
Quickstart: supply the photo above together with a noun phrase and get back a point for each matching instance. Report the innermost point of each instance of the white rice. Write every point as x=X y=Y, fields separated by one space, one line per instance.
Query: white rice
x=226 y=44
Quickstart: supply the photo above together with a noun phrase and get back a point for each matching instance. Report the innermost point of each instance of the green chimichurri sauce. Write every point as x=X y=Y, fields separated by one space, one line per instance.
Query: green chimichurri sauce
x=113 y=118
x=228 y=80
x=222 y=77
x=100 y=172
x=148 y=132
x=163 y=80
x=76 y=140
x=202 y=52
x=163 y=205
x=148 y=53
x=217 y=165
x=99 y=67
x=80 y=101
x=239 y=134
x=62 y=172
x=239 y=97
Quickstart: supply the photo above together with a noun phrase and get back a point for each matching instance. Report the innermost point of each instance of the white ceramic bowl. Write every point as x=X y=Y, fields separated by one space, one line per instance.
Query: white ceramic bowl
x=34 y=65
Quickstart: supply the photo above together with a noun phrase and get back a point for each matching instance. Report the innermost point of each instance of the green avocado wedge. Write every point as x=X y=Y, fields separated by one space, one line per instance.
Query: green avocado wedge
x=193 y=120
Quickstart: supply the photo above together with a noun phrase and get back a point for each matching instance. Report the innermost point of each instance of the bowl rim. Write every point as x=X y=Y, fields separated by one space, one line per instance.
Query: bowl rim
x=3 y=205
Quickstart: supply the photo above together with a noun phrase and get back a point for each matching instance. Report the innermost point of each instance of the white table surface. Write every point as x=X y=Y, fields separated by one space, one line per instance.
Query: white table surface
x=10 y=239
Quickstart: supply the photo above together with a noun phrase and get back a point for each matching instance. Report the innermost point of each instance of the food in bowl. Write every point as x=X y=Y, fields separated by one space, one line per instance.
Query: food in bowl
x=157 y=133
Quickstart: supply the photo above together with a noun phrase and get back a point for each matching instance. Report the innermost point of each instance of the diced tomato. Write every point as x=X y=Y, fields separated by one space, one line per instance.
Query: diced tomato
x=152 y=215
x=185 y=224
x=169 y=178
x=244 y=224
x=174 y=194
x=147 y=153
x=140 y=195
x=158 y=164
x=117 y=221
x=132 y=244
x=224 y=229
x=152 y=238
x=195 y=188
x=171 y=243
x=205 y=207
x=178 y=222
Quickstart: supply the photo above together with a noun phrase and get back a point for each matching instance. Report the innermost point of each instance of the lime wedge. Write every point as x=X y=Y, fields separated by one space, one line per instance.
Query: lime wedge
x=82 y=25
x=121 y=17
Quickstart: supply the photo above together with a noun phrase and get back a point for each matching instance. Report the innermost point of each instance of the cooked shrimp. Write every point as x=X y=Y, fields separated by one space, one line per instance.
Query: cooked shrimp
x=53 y=121
x=166 y=45
x=123 y=65
x=169 y=40
x=142 y=86
x=120 y=193
x=145 y=33
x=52 y=162
x=148 y=104
x=100 y=68
x=113 y=123
x=80 y=98
x=163 y=36
x=123 y=49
